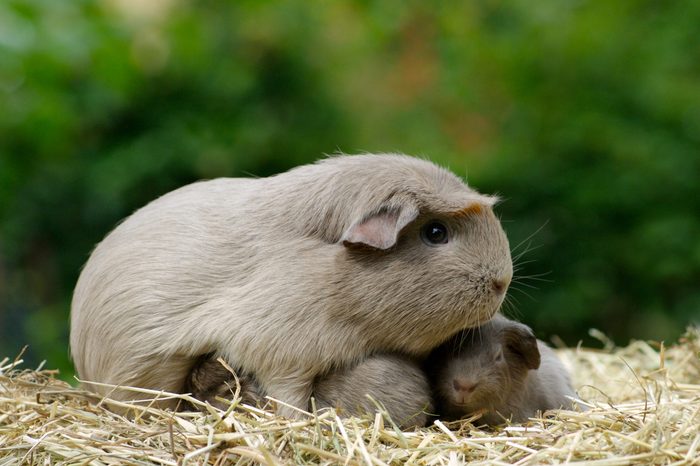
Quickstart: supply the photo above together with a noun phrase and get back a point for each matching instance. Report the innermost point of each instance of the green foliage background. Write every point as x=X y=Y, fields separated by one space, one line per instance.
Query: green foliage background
x=584 y=116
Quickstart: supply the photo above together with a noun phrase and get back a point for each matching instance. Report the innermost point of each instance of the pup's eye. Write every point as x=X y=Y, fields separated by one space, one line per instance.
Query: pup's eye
x=434 y=233
x=498 y=357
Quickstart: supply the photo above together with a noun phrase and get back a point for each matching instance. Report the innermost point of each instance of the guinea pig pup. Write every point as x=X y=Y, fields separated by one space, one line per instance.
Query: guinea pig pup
x=398 y=383
x=500 y=369
x=289 y=276
x=209 y=380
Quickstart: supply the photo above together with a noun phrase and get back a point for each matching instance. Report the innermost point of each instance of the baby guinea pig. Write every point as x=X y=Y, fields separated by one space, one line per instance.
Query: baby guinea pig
x=210 y=380
x=499 y=369
x=290 y=276
x=396 y=382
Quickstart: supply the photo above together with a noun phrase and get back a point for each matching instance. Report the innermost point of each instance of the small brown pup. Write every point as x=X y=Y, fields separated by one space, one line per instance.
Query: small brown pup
x=211 y=381
x=499 y=369
x=395 y=382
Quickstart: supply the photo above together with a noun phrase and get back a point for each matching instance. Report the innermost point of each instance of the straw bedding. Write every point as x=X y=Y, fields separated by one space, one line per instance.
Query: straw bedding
x=644 y=408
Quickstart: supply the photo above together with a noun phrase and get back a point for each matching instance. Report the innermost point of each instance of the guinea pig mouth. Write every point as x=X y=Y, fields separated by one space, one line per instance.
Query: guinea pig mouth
x=469 y=404
x=462 y=405
x=474 y=402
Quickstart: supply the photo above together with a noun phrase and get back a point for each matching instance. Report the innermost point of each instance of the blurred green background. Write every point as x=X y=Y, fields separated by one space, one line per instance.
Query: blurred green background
x=584 y=116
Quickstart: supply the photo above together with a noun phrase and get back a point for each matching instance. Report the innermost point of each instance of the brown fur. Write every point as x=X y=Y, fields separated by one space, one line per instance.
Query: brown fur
x=211 y=381
x=290 y=276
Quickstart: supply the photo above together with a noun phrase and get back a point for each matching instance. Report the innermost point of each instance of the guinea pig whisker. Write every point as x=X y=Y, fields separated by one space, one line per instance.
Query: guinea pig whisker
x=507 y=300
x=523 y=292
x=519 y=265
x=480 y=331
x=517 y=277
x=513 y=312
x=513 y=305
x=510 y=300
x=529 y=237
x=519 y=283
x=528 y=249
x=535 y=274
x=462 y=339
x=458 y=344
x=506 y=307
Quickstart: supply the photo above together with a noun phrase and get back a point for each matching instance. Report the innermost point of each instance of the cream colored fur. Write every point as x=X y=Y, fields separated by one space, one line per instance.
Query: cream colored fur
x=288 y=276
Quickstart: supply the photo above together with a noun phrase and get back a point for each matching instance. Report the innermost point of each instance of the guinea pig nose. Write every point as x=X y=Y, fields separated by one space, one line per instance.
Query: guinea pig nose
x=463 y=385
x=499 y=285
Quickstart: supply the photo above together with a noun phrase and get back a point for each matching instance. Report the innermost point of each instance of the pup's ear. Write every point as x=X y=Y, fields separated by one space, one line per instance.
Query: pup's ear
x=520 y=341
x=380 y=229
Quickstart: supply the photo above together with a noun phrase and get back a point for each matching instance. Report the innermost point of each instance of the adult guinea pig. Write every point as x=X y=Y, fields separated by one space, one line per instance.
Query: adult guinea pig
x=398 y=383
x=289 y=276
x=501 y=370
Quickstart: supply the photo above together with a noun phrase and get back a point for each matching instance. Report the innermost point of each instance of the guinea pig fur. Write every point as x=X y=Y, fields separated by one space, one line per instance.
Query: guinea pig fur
x=289 y=276
x=397 y=383
x=501 y=370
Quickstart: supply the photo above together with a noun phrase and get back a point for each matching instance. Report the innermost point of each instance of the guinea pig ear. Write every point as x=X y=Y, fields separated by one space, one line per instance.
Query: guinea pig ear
x=520 y=341
x=380 y=229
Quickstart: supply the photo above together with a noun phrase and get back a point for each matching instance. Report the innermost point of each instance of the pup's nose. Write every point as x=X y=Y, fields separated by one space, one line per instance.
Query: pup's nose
x=463 y=385
x=500 y=285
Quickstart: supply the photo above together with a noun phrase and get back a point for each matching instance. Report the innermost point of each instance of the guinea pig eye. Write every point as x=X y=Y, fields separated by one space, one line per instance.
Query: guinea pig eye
x=434 y=233
x=498 y=357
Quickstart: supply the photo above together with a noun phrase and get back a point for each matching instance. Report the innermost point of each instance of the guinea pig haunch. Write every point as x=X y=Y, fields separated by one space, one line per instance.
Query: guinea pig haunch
x=499 y=369
x=289 y=276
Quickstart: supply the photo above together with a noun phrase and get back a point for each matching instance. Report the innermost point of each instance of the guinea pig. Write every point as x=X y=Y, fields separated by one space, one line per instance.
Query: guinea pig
x=499 y=369
x=289 y=276
x=397 y=383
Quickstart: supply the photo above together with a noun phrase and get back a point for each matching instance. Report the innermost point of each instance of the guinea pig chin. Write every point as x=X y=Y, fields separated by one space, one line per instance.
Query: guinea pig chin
x=483 y=311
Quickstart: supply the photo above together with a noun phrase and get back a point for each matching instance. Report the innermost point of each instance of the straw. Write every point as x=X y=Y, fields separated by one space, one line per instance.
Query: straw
x=643 y=405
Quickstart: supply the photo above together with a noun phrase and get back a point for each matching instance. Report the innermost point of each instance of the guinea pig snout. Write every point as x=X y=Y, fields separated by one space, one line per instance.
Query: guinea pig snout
x=493 y=280
x=463 y=388
x=500 y=285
